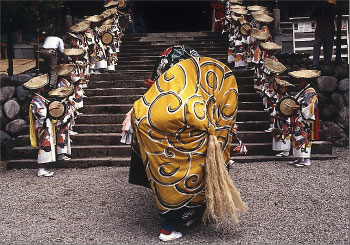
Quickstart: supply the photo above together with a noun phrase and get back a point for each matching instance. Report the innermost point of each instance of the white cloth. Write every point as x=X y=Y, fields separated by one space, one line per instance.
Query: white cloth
x=54 y=42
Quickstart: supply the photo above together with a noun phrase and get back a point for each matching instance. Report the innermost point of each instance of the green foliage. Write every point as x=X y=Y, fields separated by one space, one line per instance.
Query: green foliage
x=28 y=15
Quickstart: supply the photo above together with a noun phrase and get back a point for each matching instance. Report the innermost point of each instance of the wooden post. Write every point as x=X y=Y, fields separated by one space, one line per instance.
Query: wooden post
x=37 y=52
x=338 y=33
x=10 y=51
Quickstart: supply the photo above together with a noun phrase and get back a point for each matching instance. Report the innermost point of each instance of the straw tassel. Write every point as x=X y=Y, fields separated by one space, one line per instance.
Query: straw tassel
x=223 y=198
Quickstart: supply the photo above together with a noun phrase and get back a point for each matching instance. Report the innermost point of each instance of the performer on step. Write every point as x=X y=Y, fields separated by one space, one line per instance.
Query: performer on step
x=281 y=127
x=41 y=128
x=306 y=124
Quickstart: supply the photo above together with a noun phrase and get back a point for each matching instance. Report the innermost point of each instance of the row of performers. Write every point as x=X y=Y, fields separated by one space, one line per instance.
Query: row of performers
x=243 y=25
x=293 y=120
x=53 y=113
x=100 y=38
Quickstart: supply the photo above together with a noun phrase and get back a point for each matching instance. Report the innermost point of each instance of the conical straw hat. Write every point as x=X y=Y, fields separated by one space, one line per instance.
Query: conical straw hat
x=264 y=18
x=283 y=83
x=256 y=8
x=94 y=18
x=105 y=28
x=305 y=74
x=236 y=1
x=37 y=82
x=61 y=92
x=64 y=69
x=274 y=66
x=237 y=7
x=234 y=17
x=121 y=3
x=74 y=51
x=259 y=35
x=111 y=3
x=240 y=11
x=270 y=46
x=81 y=26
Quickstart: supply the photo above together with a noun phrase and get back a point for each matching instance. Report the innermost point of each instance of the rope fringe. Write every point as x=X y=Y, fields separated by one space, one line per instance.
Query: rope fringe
x=223 y=198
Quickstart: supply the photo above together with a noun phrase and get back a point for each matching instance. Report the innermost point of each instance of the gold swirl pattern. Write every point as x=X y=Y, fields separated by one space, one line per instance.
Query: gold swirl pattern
x=172 y=122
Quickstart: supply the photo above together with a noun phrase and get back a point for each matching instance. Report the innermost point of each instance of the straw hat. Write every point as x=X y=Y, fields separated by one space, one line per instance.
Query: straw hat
x=245 y=29
x=271 y=46
x=61 y=92
x=121 y=3
x=283 y=83
x=274 y=66
x=63 y=69
x=259 y=35
x=81 y=26
x=240 y=11
x=111 y=3
x=256 y=8
x=263 y=18
x=306 y=74
x=105 y=14
x=37 y=82
x=72 y=35
x=108 y=22
x=74 y=51
x=94 y=18
x=236 y=1
x=237 y=7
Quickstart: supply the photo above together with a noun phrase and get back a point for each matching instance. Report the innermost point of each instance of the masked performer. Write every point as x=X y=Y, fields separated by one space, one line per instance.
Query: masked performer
x=184 y=126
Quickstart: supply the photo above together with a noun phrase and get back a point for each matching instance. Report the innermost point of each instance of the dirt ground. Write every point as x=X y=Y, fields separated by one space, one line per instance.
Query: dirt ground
x=287 y=205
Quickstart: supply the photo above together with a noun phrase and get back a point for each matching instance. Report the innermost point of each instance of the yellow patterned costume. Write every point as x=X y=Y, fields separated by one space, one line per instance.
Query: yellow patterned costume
x=172 y=121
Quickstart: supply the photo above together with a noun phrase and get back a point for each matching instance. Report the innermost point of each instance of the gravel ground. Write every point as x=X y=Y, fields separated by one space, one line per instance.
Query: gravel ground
x=98 y=206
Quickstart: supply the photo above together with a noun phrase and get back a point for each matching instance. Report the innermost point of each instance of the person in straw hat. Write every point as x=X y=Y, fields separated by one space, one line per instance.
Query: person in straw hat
x=41 y=129
x=63 y=119
x=281 y=127
x=271 y=70
x=183 y=152
x=48 y=53
x=306 y=124
x=77 y=76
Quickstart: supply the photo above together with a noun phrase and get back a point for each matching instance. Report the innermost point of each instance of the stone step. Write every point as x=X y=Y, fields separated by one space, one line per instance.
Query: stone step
x=78 y=151
x=280 y=160
x=130 y=99
x=252 y=125
x=124 y=162
x=91 y=128
x=106 y=109
x=124 y=108
x=73 y=163
x=161 y=46
x=121 y=84
x=115 y=91
x=121 y=75
x=121 y=150
x=109 y=138
x=152 y=58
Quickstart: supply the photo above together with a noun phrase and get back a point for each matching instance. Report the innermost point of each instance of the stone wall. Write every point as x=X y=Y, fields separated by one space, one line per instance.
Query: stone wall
x=14 y=102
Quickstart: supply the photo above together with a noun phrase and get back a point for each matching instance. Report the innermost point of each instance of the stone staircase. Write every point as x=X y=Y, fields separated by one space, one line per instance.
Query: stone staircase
x=111 y=95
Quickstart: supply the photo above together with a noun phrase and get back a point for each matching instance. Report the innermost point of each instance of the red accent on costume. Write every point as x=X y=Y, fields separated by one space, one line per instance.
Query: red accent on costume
x=165 y=232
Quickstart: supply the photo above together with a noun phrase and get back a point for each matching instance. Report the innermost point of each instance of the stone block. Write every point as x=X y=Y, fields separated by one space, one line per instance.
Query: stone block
x=327 y=83
x=14 y=127
x=344 y=85
x=11 y=109
x=6 y=93
x=19 y=79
